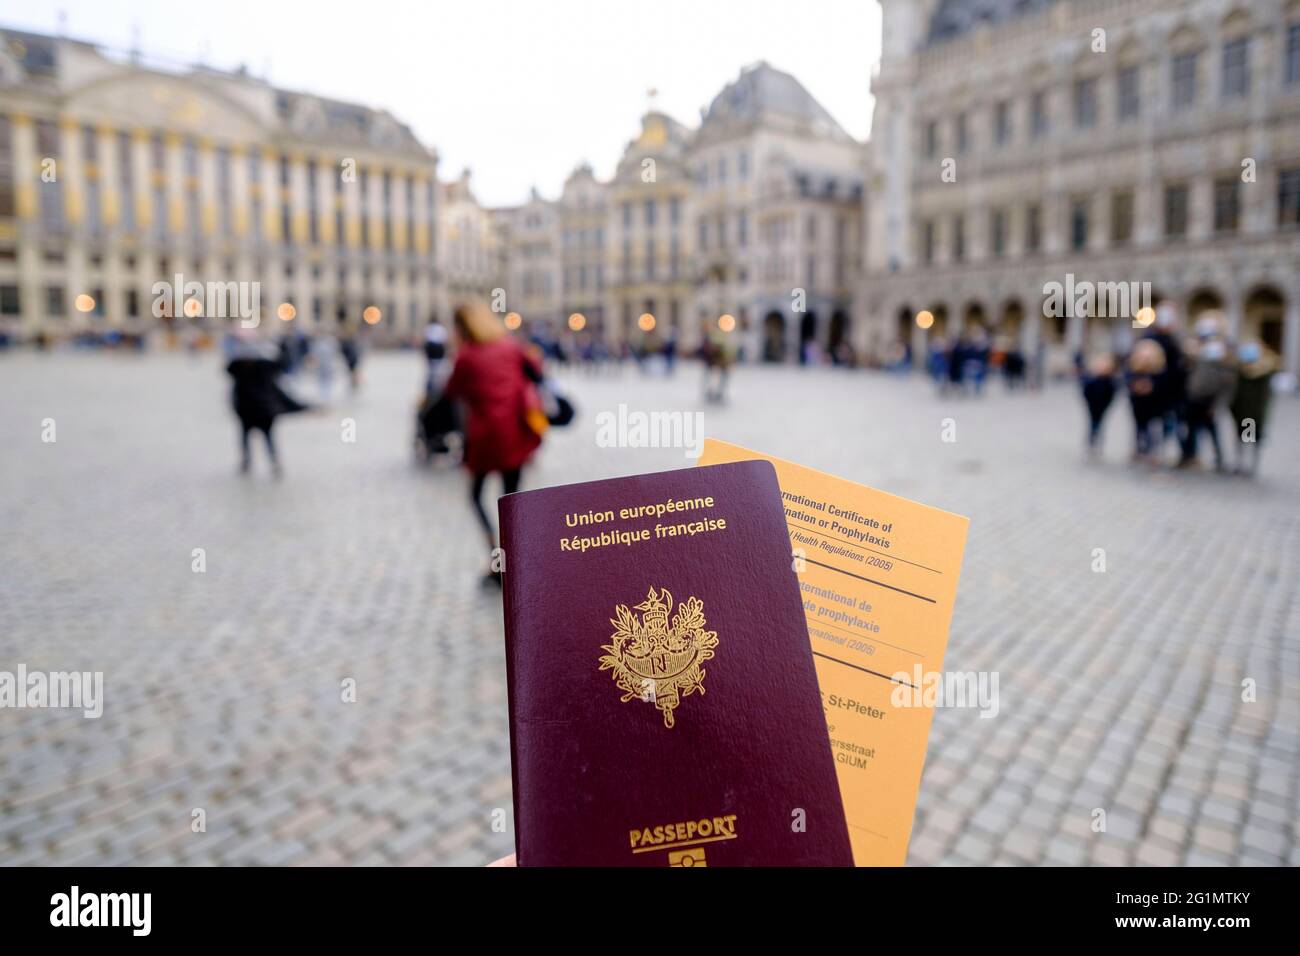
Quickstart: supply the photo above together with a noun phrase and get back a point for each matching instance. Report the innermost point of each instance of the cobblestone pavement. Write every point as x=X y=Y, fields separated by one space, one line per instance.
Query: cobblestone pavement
x=1120 y=691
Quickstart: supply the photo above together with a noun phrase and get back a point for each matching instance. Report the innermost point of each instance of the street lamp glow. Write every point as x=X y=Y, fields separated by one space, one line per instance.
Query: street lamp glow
x=371 y=315
x=646 y=322
x=924 y=319
x=193 y=307
x=84 y=303
x=1144 y=317
x=727 y=322
x=513 y=320
x=577 y=322
x=286 y=312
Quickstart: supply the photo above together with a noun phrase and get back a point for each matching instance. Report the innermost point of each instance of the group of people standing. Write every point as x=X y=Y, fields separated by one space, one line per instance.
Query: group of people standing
x=1178 y=388
x=961 y=365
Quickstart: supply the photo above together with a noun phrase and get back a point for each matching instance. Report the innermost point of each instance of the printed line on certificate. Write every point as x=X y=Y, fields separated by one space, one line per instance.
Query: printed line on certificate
x=888 y=554
x=866 y=670
x=831 y=567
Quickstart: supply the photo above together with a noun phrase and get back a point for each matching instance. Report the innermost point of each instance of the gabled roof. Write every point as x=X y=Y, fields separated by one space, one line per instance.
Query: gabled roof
x=762 y=91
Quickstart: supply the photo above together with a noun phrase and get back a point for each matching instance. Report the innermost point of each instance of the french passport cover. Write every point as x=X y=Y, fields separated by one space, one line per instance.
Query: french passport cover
x=664 y=705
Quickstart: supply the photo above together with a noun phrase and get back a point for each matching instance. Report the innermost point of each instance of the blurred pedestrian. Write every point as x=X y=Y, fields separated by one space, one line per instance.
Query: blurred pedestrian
x=936 y=362
x=718 y=358
x=324 y=352
x=1171 y=384
x=1250 y=403
x=496 y=380
x=257 y=396
x=350 y=349
x=1211 y=379
x=436 y=419
x=1145 y=364
x=1098 y=382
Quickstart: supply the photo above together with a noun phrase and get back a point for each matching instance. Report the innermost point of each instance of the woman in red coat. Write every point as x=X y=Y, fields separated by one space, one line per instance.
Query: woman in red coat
x=495 y=379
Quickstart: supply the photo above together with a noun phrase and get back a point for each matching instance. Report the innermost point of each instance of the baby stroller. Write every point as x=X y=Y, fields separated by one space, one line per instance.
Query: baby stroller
x=437 y=419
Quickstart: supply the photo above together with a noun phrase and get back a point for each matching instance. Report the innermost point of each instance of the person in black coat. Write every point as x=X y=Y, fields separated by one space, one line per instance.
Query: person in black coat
x=1097 y=378
x=258 y=399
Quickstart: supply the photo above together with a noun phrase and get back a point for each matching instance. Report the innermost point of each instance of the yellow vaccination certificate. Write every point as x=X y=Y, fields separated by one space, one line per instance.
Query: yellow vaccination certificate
x=878 y=575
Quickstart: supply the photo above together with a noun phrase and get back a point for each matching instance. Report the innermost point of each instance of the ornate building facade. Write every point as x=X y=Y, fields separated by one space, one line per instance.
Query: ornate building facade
x=757 y=215
x=471 y=260
x=777 y=212
x=583 y=211
x=650 y=254
x=1020 y=144
x=116 y=175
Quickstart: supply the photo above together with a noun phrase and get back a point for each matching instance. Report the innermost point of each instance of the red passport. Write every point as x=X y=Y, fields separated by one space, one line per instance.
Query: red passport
x=664 y=706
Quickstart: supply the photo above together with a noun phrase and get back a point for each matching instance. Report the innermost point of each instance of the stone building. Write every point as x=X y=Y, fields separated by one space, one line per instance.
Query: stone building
x=117 y=174
x=471 y=260
x=650 y=251
x=756 y=214
x=582 y=214
x=1151 y=145
x=777 y=213
x=531 y=239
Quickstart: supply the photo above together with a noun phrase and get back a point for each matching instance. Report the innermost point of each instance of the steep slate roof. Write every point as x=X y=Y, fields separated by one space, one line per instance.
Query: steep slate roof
x=952 y=18
x=762 y=90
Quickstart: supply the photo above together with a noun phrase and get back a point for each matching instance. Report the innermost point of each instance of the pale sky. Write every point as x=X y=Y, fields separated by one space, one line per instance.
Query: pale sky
x=520 y=91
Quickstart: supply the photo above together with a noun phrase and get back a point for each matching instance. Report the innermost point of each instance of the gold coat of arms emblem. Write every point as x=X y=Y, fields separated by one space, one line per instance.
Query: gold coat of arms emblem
x=657 y=656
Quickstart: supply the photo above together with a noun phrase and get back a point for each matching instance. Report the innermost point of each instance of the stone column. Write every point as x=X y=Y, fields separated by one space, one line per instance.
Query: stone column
x=71 y=177
x=108 y=177
x=27 y=178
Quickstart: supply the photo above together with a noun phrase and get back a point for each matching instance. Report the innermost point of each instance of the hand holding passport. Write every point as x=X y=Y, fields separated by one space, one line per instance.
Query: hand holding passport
x=664 y=701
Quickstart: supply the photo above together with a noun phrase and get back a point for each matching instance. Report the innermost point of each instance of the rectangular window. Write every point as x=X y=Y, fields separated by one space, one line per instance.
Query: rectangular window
x=1079 y=225
x=1121 y=217
x=1038 y=119
x=1288 y=198
x=742 y=229
x=1085 y=103
x=1227 y=205
x=1129 y=93
x=1002 y=123
x=958 y=238
x=627 y=215
x=675 y=210
x=54 y=301
x=650 y=259
x=1033 y=229
x=742 y=165
x=963 y=133
x=931 y=139
x=1291 y=72
x=650 y=213
x=1176 y=211
x=1184 y=80
x=927 y=242
x=9 y=301
x=998 y=237
x=1236 y=68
